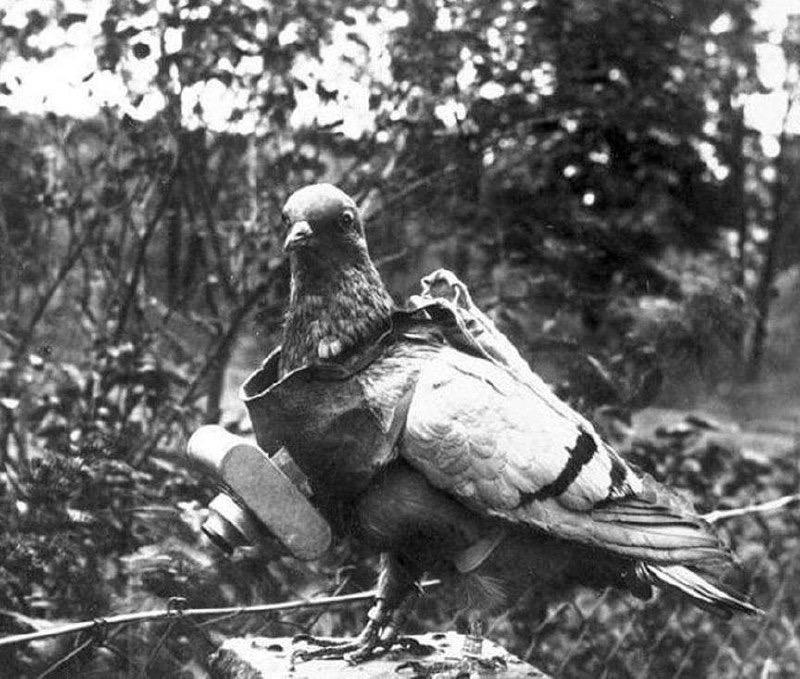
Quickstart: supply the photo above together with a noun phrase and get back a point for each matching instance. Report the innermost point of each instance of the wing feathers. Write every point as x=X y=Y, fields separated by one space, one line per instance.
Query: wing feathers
x=658 y=537
x=509 y=451
x=700 y=590
x=469 y=417
x=582 y=453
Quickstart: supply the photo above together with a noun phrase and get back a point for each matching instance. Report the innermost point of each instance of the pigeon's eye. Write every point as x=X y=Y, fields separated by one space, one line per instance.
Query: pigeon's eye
x=346 y=219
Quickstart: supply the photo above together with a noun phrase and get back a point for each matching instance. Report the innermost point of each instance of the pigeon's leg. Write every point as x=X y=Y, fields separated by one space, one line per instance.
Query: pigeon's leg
x=395 y=587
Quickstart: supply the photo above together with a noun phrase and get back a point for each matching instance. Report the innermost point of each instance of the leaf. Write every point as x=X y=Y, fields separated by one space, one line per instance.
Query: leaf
x=356 y=38
x=647 y=388
x=326 y=94
x=9 y=403
x=72 y=18
x=127 y=33
x=226 y=77
x=141 y=50
x=36 y=21
x=110 y=54
x=81 y=516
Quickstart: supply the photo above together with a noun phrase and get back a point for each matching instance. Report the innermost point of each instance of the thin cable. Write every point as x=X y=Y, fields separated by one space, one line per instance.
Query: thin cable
x=172 y=613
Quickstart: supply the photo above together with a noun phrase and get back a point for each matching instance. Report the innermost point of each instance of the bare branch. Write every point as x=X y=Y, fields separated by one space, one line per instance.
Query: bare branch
x=142 y=251
x=226 y=341
x=203 y=193
x=47 y=296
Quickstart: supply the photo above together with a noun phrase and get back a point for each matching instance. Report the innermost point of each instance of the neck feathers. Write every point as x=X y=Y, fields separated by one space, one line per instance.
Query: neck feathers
x=329 y=305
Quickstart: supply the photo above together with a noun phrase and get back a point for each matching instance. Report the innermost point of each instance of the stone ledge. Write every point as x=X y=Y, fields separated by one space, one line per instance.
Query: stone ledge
x=270 y=658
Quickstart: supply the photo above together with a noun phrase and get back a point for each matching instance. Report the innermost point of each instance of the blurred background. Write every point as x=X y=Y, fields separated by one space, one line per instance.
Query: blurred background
x=616 y=181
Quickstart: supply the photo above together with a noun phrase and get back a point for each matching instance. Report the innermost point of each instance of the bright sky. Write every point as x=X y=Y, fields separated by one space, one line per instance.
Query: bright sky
x=766 y=111
x=60 y=84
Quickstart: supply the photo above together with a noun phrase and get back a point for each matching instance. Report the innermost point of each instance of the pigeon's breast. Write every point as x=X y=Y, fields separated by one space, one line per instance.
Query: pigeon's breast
x=340 y=423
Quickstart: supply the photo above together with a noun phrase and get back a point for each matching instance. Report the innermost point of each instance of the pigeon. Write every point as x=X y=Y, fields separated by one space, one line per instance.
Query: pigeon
x=489 y=480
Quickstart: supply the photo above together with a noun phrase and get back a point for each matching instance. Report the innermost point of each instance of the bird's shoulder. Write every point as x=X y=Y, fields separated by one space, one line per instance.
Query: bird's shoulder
x=500 y=441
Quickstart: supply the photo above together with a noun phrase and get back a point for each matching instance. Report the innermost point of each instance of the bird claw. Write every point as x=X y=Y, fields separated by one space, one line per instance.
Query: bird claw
x=334 y=651
x=358 y=650
x=322 y=642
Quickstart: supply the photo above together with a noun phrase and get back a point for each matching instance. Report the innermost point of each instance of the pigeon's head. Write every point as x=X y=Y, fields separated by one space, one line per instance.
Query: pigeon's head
x=322 y=221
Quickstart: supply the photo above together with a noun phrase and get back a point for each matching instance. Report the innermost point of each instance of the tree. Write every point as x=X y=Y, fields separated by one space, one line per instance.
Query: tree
x=781 y=197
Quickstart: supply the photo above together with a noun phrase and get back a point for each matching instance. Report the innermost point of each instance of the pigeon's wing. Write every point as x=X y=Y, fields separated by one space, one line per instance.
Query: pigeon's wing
x=509 y=448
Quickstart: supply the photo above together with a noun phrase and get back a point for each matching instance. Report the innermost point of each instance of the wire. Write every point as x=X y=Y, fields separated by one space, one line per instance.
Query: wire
x=63 y=661
x=171 y=612
x=763 y=508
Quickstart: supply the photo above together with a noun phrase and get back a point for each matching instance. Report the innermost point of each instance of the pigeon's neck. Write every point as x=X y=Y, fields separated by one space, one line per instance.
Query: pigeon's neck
x=329 y=304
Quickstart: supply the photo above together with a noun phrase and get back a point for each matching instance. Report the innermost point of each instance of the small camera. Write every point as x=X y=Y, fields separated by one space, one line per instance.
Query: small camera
x=265 y=503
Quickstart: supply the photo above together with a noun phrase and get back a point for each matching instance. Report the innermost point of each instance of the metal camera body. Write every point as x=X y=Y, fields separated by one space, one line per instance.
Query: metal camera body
x=266 y=503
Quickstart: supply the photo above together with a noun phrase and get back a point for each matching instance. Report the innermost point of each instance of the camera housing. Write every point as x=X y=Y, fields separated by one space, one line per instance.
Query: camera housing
x=265 y=503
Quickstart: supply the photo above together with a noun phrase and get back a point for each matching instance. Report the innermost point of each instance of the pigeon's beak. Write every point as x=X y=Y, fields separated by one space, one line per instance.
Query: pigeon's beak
x=299 y=235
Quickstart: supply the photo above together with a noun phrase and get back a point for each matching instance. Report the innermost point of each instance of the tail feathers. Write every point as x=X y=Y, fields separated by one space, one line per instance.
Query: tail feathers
x=696 y=587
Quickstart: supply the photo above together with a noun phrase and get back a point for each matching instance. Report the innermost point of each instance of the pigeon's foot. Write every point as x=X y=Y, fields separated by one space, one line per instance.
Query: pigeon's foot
x=379 y=636
x=369 y=644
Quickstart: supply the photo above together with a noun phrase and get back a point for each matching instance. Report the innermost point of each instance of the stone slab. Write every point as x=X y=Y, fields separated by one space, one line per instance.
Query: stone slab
x=271 y=658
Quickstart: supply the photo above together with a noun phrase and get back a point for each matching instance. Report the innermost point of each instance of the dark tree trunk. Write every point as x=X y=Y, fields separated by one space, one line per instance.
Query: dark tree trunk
x=738 y=173
x=764 y=291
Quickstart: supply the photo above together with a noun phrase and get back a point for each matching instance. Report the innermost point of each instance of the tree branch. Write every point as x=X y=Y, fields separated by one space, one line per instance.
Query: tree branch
x=226 y=341
x=203 y=193
x=142 y=252
x=44 y=301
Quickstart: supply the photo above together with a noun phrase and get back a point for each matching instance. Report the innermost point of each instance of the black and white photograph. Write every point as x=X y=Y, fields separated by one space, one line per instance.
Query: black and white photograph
x=427 y=339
